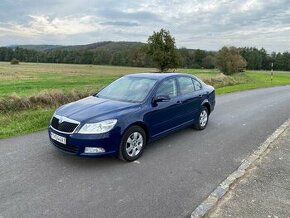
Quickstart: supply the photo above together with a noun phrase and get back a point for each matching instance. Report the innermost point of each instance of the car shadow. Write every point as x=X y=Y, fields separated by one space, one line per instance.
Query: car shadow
x=175 y=139
x=170 y=138
x=84 y=162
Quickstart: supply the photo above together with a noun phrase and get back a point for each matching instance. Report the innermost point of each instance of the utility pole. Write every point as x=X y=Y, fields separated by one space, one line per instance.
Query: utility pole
x=272 y=72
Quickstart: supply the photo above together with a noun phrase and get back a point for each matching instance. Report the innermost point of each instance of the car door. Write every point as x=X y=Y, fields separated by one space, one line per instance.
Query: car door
x=164 y=116
x=191 y=96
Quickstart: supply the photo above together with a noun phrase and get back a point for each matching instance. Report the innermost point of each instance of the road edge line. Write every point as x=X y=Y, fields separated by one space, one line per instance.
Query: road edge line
x=211 y=201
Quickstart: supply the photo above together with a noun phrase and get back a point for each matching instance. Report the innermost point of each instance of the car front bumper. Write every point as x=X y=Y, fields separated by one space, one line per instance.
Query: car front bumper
x=76 y=143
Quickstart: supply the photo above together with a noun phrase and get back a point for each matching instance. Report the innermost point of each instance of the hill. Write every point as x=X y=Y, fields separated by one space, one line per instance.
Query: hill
x=36 y=47
x=106 y=45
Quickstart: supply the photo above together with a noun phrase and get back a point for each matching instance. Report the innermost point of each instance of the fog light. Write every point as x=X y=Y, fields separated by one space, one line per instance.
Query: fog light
x=92 y=150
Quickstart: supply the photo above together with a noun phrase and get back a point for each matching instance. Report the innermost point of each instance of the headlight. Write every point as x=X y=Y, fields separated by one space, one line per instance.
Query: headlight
x=97 y=128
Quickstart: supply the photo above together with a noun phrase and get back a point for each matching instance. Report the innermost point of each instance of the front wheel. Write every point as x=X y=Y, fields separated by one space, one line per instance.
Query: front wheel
x=132 y=144
x=202 y=119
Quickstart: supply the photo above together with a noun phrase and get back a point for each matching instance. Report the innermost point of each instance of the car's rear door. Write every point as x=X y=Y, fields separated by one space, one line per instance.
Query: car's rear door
x=191 y=96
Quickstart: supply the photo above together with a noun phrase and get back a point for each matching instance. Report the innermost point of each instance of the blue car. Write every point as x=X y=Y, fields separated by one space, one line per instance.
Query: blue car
x=130 y=112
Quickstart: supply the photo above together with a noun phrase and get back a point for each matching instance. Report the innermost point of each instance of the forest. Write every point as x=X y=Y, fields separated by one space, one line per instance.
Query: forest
x=133 y=54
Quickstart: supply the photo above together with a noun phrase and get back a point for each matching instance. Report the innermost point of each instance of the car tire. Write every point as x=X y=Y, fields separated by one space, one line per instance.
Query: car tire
x=202 y=119
x=132 y=144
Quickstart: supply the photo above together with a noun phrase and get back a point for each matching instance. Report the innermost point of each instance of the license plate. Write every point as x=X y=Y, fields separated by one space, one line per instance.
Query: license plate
x=58 y=138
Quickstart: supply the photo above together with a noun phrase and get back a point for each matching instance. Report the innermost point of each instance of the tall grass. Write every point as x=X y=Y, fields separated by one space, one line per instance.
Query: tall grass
x=45 y=99
x=222 y=80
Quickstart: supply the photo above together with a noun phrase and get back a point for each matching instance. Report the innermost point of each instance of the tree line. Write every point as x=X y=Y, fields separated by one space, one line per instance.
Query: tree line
x=256 y=59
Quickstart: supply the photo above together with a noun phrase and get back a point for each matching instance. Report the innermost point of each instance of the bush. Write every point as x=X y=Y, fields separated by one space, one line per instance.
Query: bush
x=230 y=61
x=222 y=80
x=14 y=61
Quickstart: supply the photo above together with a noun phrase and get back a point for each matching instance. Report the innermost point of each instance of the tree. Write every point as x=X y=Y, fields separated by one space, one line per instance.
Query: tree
x=87 y=57
x=199 y=55
x=229 y=60
x=161 y=48
x=136 y=57
x=118 y=59
x=208 y=62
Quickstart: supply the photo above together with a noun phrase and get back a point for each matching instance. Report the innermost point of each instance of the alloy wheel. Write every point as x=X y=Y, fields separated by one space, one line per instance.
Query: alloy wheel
x=203 y=118
x=134 y=144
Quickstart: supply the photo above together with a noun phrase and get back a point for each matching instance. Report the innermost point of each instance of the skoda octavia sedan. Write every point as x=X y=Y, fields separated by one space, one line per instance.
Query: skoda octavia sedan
x=130 y=112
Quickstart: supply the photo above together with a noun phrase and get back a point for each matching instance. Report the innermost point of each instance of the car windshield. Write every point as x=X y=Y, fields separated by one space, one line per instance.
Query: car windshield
x=131 y=89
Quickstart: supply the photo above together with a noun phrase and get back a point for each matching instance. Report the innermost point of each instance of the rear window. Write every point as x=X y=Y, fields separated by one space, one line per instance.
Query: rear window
x=186 y=85
x=197 y=85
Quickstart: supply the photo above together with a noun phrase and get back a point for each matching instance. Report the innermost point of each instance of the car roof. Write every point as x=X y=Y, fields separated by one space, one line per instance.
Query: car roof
x=157 y=76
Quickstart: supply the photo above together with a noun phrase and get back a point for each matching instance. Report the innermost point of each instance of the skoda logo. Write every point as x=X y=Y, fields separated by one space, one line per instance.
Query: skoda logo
x=60 y=120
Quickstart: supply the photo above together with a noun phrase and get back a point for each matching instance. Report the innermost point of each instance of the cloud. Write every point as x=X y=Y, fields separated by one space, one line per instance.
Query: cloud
x=65 y=25
x=43 y=25
x=207 y=24
x=120 y=23
x=128 y=15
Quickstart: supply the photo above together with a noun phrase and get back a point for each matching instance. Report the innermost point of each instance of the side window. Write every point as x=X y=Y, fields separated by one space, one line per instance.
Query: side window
x=186 y=85
x=167 y=87
x=197 y=85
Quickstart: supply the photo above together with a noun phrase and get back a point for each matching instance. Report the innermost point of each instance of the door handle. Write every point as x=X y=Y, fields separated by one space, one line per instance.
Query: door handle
x=200 y=95
x=178 y=102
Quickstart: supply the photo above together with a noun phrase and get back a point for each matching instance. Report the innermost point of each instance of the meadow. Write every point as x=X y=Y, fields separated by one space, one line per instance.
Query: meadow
x=30 y=92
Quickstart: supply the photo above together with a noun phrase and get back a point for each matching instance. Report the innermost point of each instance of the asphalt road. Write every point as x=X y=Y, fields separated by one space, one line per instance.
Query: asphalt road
x=173 y=176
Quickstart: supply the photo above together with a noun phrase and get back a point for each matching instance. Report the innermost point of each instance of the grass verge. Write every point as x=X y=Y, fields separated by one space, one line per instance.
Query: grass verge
x=254 y=80
x=19 y=123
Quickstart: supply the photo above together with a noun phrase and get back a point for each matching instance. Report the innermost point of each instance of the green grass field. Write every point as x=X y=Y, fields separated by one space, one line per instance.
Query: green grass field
x=31 y=79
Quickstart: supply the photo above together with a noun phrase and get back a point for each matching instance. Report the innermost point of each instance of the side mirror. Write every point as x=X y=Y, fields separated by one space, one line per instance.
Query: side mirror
x=161 y=98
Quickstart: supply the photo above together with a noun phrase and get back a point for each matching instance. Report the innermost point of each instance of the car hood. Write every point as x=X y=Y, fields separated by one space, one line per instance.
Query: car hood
x=94 y=107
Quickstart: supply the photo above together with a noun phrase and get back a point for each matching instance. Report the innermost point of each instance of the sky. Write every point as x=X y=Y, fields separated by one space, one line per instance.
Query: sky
x=207 y=24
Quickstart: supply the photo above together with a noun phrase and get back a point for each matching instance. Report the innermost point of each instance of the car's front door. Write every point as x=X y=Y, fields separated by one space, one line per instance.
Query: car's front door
x=164 y=116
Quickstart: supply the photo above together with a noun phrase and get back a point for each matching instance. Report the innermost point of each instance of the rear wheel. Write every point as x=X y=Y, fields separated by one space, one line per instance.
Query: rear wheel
x=202 y=119
x=132 y=144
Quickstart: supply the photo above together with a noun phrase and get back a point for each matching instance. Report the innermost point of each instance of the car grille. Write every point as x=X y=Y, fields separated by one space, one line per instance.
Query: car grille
x=67 y=148
x=63 y=126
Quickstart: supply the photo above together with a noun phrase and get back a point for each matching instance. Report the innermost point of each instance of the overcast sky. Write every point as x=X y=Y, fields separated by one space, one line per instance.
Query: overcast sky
x=206 y=24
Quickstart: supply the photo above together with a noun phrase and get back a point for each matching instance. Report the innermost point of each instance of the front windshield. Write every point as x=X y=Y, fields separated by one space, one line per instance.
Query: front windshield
x=132 y=89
